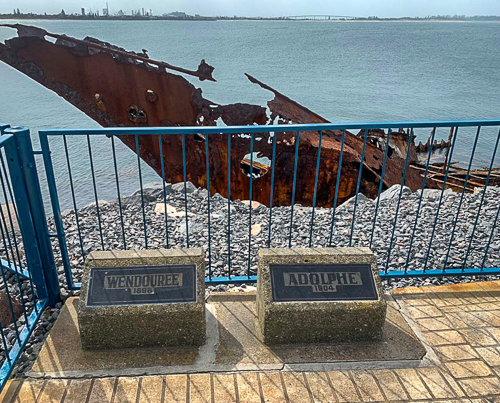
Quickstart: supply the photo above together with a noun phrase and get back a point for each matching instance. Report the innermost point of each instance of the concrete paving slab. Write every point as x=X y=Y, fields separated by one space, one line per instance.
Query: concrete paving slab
x=224 y=387
x=176 y=389
x=126 y=390
x=78 y=390
x=240 y=343
x=343 y=386
x=29 y=391
x=320 y=388
x=390 y=385
x=9 y=391
x=102 y=390
x=296 y=387
x=232 y=344
x=152 y=389
x=53 y=391
x=248 y=387
x=62 y=351
x=272 y=387
x=435 y=383
x=200 y=388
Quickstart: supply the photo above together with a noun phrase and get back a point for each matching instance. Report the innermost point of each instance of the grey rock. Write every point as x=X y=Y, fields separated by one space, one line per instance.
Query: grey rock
x=349 y=204
x=179 y=187
x=136 y=199
x=393 y=193
x=153 y=190
x=91 y=205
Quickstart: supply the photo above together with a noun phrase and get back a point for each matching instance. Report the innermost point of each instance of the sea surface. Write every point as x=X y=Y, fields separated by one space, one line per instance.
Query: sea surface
x=345 y=71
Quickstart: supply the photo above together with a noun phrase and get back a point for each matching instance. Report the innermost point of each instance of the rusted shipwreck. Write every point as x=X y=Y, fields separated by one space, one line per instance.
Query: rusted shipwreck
x=116 y=87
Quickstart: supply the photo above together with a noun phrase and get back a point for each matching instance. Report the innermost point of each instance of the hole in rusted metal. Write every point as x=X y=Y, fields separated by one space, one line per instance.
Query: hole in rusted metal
x=136 y=114
x=199 y=137
x=259 y=167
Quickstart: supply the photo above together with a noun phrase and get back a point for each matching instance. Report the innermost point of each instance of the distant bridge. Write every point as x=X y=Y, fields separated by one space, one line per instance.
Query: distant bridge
x=319 y=17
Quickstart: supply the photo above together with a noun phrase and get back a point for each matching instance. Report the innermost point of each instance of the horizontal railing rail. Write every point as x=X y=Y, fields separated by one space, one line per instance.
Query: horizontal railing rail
x=421 y=237
x=271 y=128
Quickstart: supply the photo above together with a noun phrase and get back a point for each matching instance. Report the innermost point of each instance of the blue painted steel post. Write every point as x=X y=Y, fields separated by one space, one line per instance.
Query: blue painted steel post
x=56 y=209
x=25 y=149
x=32 y=220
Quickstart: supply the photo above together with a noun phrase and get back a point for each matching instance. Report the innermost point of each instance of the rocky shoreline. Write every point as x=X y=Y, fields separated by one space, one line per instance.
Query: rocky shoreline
x=241 y=230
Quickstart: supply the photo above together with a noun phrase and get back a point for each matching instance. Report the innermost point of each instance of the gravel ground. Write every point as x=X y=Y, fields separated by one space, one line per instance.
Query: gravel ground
x=197 y=207
x=242 y=259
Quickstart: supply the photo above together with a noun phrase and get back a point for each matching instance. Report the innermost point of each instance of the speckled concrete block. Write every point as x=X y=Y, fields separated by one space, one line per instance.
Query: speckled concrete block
x=317 y=321
x=122 y=326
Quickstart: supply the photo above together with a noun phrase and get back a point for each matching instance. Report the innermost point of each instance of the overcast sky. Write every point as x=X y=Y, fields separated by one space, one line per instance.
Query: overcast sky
x=267 y=8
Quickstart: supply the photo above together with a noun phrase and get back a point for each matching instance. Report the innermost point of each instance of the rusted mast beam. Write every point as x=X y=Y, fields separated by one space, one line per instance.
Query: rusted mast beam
x=204 y=71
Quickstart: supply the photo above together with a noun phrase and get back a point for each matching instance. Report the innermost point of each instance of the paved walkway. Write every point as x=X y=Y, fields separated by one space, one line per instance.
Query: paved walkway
x=461 y=323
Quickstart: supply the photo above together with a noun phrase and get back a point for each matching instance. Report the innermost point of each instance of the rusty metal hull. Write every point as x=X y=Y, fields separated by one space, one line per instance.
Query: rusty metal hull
x=119 y=88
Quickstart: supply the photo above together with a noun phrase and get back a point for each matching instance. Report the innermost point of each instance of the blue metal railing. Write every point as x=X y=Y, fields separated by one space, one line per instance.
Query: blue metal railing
x=485 y=130
x=27 y=260
x=21 y=270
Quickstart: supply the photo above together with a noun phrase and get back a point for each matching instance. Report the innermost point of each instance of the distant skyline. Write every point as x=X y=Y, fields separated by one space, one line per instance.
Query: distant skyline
x=265 y=8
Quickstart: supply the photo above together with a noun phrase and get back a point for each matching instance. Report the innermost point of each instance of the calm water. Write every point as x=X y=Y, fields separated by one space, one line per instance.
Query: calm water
x=355 y=71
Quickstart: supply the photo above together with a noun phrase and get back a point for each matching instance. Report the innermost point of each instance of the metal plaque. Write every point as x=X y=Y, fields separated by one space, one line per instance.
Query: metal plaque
x=329 y=282
x=142 y=285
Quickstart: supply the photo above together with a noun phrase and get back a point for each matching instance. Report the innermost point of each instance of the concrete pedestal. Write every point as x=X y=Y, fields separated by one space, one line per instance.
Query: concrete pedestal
x=108 y=324
x=284 y=319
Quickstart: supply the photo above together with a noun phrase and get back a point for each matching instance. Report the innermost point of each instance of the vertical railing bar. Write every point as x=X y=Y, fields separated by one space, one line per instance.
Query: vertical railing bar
x=490 y=238
x=339 y=169
x=95 y=191
x=30 y=279
x=11 y=222
x=357 y=187
x=440 y=198
x=56 y=209
x=117 y=180
x=272 y=189
x=9 y=187
x=482 y=200
x=73 y=195
x=18 y=255
x=229 y=205
x=184 y=172
x=381 y=183
x=164 y=190
x=13 y=263
x=429 y=154
x=315 y=187
x=4 y=278
x=250 y=205
x=399 y=201
x=7 y=291
x=16 y=246
x=297 y=140
x=461 y=199
x=6 y=349
x=207 y=159
x=137 y=150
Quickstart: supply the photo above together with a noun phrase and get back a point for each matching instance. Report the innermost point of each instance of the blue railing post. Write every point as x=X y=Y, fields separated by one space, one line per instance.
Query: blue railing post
x=33 y=222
